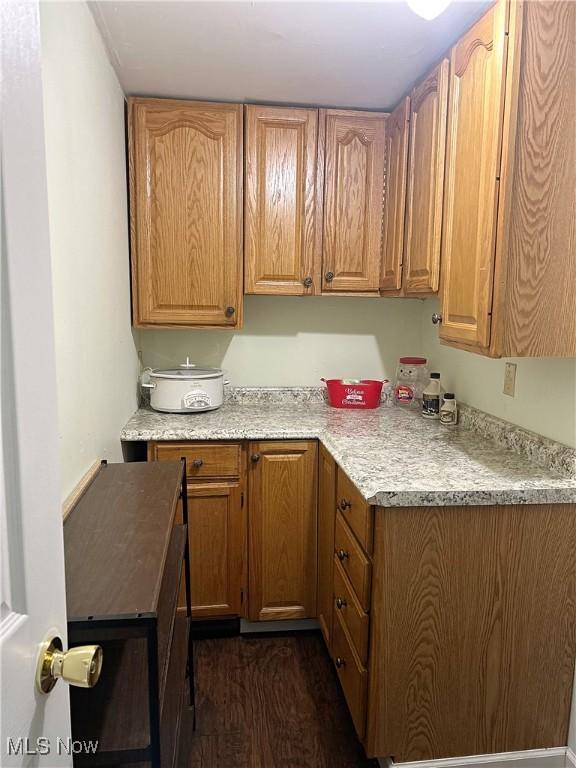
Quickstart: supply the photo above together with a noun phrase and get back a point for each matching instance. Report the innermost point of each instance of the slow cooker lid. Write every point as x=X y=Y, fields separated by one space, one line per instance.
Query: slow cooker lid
x=187 y=371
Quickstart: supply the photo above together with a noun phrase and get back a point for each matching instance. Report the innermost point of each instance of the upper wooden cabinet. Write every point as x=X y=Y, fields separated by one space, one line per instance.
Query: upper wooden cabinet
x=282 y=226
x=186 y=212
x=353 y=200
x=476 y=102
x=425 y=185
x=282 y=530
x=535 y=267
x=509 y=261
x=395 y=198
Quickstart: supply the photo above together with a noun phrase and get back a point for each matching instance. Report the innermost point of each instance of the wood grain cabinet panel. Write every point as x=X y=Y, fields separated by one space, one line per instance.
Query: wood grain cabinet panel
x=186 y=208
x=354 y=561
x=475 y=110
x=395 y=199
x=535 y=283
x=326 y=520
x=282 y=489
x=425 y=184
x=353 y=200
x=508 y=256
x=217 y=540
x=352 y=675
x=282 y=216
x=473 y=631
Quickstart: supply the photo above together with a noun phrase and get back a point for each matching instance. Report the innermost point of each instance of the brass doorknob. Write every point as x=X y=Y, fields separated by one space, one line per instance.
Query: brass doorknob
x=80 y=666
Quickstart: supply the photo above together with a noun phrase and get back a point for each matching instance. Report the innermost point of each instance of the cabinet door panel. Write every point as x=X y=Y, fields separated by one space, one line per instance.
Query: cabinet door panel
x=477 y=70
x=395 y=200
x=353 y=200
x=427 y=153
x=282 y=235
x=282 y=530
x=186 y=188
x=326 y=519
x=217 y=549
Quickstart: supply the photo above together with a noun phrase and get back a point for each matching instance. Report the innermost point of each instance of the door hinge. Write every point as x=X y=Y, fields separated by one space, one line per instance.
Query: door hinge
x=242 y=500
x=241 y=597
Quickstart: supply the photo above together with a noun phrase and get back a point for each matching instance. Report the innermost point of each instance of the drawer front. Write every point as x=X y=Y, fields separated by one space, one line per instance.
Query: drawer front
x=352 y=675
x=203 y=460
x=347 y=606
x=356 y=511
x=353 y=560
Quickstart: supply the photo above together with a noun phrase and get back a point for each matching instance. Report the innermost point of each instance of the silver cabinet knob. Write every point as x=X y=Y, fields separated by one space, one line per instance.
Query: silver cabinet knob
x=340 y=603
x=329 y=276
x=436 y=318
x=307 y=282
x=342 y=555
x=339 y=661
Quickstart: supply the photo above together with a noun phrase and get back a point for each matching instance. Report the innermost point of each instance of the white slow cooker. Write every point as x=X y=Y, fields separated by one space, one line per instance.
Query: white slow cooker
x=187 y=389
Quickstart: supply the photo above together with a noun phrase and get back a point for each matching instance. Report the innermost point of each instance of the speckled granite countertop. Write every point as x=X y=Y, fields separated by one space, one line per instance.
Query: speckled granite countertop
x=395 y=458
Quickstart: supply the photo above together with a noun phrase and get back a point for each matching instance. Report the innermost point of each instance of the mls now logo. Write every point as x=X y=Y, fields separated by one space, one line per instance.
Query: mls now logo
x=23 y=745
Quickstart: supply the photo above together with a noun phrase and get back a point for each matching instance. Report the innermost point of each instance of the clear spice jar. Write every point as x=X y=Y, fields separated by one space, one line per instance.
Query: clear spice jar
x=411 y=379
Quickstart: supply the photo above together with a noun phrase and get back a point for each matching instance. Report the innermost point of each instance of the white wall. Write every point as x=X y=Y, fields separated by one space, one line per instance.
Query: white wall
x=296 y=340
x=545 y=398
x=95 y=353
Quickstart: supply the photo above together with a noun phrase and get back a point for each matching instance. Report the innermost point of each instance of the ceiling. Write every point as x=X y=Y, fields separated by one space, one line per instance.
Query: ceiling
x=346 y=54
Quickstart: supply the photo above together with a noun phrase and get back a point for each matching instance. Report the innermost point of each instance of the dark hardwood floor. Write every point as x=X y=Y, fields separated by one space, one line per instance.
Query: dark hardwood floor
x=269 y=702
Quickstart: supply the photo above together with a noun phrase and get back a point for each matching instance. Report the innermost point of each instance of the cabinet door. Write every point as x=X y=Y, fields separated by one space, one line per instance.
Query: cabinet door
x=217 y=537
x=326 y=517
x=282 y=222
x=185 y=196
x=353 y=200
x=427 y=154
x=475 y=105
x=395 y=199
x=282 y=530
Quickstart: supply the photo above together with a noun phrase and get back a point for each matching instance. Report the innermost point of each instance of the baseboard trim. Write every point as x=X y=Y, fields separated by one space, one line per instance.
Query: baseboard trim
x=285 y=625
x=556 y=757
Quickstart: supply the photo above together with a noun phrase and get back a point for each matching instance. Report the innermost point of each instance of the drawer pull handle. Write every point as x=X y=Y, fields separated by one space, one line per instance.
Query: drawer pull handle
x=339 y=661
x=345 y=504
x=340 y=603
x=255 y=458
x=342 y=555
x=197 y=463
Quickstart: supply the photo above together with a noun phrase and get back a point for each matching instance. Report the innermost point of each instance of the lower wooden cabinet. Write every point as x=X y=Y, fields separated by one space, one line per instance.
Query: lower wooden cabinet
x=473 y=631
x=452 y=629
x=326 y=517
x=282 y=529
x=217 y=549
x=351 y=673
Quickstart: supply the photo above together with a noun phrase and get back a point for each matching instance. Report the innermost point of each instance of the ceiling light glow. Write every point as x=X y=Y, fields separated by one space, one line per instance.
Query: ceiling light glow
x=428 y=9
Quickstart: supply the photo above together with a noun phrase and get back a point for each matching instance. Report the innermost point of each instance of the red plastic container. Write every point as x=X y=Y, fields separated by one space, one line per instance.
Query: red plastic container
x=364 y=394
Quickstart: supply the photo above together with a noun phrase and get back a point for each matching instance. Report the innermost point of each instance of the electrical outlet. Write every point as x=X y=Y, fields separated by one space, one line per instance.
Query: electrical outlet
x=509 y=379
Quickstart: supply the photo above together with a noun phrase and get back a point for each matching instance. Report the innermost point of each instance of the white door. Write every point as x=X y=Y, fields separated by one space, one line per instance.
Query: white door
x=32 y=555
